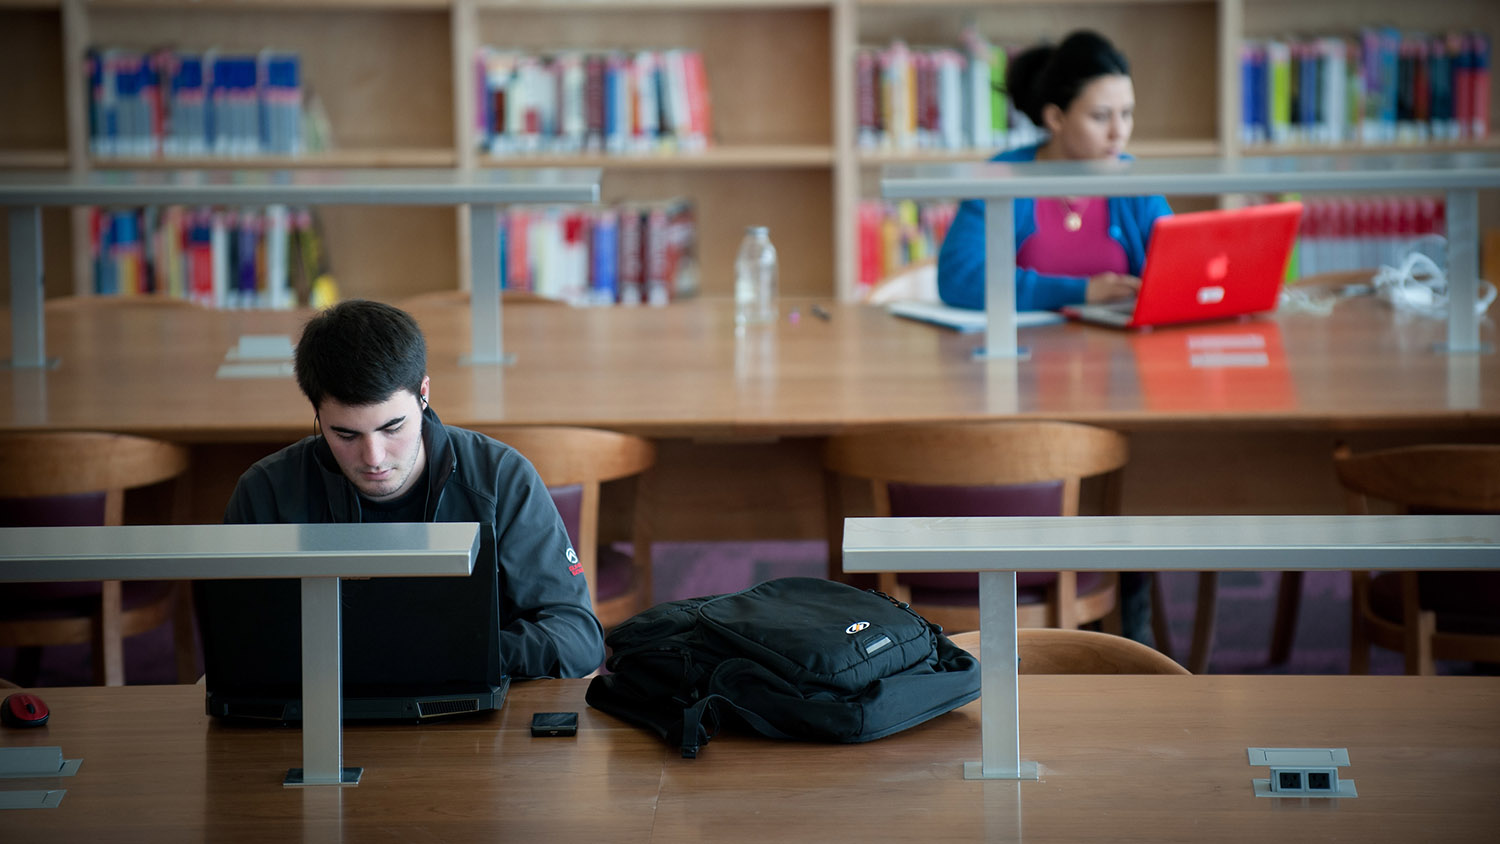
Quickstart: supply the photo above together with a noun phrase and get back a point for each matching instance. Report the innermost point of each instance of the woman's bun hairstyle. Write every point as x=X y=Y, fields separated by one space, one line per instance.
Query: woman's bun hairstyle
x=1053 y=75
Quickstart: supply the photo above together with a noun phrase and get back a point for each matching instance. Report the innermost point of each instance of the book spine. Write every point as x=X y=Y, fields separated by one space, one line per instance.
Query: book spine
x=1479 y=126
x=605 y=282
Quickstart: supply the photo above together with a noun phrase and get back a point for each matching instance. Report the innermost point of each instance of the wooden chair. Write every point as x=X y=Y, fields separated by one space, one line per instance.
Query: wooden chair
x=78 y=478
x=1007 y=468
x=1049 y=651
x=1427 y=615
x=573 y=462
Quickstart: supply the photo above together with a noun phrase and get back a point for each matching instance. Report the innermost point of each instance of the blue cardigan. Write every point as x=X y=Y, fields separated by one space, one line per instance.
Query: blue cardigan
x=961 y=262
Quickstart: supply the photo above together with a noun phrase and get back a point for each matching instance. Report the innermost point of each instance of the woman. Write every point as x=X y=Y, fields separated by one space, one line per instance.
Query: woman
x=1073 y=249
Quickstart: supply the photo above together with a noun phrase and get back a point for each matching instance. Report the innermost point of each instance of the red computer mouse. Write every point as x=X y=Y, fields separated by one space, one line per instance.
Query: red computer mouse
x=23 y=710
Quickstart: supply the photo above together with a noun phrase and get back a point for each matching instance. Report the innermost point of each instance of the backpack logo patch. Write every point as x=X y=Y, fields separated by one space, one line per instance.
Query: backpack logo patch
x=856 y=627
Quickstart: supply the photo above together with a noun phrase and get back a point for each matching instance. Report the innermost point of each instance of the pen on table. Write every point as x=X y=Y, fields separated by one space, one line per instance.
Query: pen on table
x=821 y=313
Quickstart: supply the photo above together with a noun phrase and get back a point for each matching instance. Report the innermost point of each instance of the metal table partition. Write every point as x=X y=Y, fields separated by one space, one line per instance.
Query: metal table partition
x=1461 y=175
x=998 y=547
x=24 y=194
x=317 y=554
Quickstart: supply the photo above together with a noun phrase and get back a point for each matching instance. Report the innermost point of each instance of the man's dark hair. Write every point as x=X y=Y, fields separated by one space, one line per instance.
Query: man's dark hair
x=1047 y=75
x=360 y=353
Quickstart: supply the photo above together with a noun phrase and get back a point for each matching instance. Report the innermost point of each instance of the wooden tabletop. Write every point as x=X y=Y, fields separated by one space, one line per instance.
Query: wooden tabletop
x=1122 y=758
x=681 y=371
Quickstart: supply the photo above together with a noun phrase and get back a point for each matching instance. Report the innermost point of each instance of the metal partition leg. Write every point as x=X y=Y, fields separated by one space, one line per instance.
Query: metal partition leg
x=28 y=337
x=1463 y=272
x=999 y=702
x=486 y=342
x=1000 y=281
x=322 y=689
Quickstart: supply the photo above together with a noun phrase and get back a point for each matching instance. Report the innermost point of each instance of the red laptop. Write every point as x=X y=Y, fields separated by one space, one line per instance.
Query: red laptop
x=1207 y=265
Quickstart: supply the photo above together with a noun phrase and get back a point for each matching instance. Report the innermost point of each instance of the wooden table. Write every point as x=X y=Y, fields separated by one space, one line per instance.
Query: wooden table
x=1124 y=759
x=1258 y=437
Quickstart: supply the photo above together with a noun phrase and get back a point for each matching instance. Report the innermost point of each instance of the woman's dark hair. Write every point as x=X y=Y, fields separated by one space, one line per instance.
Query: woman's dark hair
x=360 y=353
x=1046 y=75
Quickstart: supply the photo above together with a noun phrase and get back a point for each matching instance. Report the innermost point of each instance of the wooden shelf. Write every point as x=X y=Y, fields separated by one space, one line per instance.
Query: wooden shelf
x=1206 y=147
x=632 y=5
x=333 y=159
x=33 y=159
x=714 y=158
x=264 y=5
x=785 y=125
x=1482 y=144
x=940 y=5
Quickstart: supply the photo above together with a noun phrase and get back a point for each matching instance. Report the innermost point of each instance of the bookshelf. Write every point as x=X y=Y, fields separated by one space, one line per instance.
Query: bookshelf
x=396 y=79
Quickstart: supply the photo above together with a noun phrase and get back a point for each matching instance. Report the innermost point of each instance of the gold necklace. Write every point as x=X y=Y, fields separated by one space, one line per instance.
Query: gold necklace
x=1072 y=218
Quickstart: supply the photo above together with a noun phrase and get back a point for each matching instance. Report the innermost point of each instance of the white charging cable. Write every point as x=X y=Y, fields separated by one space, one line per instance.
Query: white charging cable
x=1420 y=285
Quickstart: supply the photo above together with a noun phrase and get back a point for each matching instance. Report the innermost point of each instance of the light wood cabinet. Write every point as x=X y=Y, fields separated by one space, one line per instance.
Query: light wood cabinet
x=396 y=79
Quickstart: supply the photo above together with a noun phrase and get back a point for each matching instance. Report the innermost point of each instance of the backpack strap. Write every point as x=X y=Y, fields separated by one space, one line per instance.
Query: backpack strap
x=694 y=734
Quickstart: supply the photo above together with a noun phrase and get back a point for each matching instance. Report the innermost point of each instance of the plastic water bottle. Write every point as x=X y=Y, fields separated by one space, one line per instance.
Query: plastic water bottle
x=755 y=274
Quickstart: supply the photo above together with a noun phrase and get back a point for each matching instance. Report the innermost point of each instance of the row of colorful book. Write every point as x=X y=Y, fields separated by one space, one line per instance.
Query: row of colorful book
x=1364 y=232
x=175 y=103
x=629 y=254
x=896 y=235
x=945 y=98
x=602 y=102
x=1381 y=86
x=269 y=257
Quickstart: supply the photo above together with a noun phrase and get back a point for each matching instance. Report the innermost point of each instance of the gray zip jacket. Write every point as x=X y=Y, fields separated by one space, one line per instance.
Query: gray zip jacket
x=547 y=628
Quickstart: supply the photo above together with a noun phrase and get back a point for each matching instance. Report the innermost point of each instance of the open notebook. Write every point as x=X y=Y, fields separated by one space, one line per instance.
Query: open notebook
x=963 y=319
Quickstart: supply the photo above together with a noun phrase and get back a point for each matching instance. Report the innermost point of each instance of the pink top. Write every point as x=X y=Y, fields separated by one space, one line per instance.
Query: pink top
x=1054 y=250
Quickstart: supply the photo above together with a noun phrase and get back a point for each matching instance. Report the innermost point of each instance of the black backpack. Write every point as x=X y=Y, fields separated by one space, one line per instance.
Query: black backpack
x=796 y=658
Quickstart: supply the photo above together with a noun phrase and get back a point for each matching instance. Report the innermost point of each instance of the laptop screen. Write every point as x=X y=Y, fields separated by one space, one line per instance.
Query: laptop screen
x=407 y=643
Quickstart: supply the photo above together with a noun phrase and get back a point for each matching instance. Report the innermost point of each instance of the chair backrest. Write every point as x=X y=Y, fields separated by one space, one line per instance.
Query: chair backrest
x=989 y=468
x=72 y=463
x=1047 y=650
x=573 y=462
x=1423 y=478
x=984 y=454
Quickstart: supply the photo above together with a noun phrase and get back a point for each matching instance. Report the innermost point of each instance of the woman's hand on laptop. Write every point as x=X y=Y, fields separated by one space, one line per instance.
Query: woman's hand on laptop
x=1109 y=287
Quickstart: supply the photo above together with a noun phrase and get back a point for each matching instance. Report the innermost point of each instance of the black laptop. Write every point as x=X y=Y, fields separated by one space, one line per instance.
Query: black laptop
x=414 y=648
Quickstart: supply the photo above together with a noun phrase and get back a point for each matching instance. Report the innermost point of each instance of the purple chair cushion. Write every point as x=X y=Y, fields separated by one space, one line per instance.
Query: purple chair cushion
x=60 y=600
x=63 y=600
x=612 y=572
x=569 y=502
x=82 y=510
x=1087 y=582
x=1465 y=602
x=916 y=500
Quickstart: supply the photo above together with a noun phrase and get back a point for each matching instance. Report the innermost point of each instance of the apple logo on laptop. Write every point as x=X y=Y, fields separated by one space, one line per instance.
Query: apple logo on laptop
x=1218 y=267
x=1217 y=270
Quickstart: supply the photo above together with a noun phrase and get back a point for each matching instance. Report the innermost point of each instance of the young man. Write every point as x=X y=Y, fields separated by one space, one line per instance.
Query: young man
x=383 y=456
